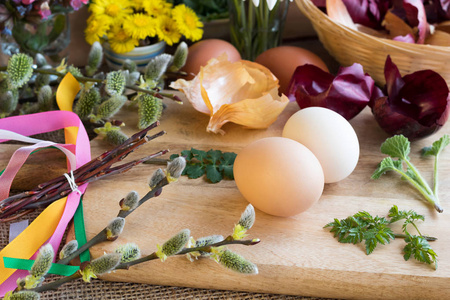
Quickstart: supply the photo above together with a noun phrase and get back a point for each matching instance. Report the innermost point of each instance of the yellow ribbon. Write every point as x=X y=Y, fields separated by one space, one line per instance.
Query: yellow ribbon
x=43 y=227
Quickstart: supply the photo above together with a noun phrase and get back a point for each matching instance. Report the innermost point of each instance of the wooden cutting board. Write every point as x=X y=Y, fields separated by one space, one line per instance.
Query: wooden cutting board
x=296 y=255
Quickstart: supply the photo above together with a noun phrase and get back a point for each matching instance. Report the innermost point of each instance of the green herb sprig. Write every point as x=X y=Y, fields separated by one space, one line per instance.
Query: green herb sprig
x=362 y=226
x=398 y=148
x=214 y=163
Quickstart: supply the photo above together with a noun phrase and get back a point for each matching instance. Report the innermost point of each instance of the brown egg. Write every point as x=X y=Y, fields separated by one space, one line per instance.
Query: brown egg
x=201 y=52
x=282 y=62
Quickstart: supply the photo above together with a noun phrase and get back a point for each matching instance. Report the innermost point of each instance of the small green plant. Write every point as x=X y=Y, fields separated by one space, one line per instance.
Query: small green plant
x=362 y=226
x=398 y=148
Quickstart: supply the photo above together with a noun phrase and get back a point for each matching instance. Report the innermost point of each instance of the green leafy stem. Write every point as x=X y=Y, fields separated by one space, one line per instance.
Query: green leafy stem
x=398 y=148
x=375 y=230
x=216 y=164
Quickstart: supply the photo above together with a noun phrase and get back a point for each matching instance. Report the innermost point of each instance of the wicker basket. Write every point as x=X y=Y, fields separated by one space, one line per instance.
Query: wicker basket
x=348 y=46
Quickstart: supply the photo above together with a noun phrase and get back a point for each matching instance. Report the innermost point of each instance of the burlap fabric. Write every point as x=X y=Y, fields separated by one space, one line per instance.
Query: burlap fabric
x=99 y=289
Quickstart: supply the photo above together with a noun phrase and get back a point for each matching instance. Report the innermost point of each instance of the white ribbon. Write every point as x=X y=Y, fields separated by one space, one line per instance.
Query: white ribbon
x=73 y=185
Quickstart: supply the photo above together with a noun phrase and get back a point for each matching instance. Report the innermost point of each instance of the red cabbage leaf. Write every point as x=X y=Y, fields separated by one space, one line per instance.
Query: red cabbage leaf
x=347 y=93
x=417 y=105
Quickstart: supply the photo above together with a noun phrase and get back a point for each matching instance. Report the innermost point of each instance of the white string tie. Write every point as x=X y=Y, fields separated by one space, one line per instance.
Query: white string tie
x=73 y=185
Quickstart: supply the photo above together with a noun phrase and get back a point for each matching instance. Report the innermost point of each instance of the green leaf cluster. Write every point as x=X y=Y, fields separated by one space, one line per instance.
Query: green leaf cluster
x=398 y=148
x=214 y=163
x=362 y=226
x=207 y=9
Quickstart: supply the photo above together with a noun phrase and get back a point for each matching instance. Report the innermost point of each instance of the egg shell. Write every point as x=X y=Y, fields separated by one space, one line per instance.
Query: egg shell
x=201 y=52
x=279 y=176
x=283 y=60
x=329 y=136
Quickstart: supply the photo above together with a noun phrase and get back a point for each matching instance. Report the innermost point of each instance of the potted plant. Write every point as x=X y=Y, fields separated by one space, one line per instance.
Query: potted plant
x=139 y=30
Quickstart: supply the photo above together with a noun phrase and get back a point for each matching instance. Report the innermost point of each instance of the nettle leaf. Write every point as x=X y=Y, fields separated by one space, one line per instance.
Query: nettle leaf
x=187 y=154
x=194 y=171
x=214 y=155
x=437 y=146
x=214 y=163
x=397 y=146
x=198 y=154
x=226 y=164
x=386 y=165
x=213 y=174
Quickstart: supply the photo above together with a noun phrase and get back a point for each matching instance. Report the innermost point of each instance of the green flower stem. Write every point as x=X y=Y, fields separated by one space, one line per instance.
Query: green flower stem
x=428 y=238
x=155 y=93
x=57 y=283
x=435 y=175
x=153 y=256
x=430 y=197
x=419 y=177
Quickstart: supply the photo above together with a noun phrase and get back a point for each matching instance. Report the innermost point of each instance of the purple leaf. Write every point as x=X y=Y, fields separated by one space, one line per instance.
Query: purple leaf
x=413 y=11
x=369 y=13
x=347 y=93
x=416 y=105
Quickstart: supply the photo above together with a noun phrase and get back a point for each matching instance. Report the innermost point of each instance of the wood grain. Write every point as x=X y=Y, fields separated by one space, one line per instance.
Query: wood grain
x=296 y=255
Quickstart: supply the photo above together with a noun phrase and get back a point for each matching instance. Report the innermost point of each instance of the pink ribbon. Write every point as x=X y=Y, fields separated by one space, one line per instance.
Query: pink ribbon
x=34 y=124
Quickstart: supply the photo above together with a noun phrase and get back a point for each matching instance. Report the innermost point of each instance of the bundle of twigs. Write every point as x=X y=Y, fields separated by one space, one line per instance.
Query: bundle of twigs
x=44 y=194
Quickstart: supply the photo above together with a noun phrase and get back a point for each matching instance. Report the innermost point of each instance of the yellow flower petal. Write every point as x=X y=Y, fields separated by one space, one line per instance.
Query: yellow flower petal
x=242 y=92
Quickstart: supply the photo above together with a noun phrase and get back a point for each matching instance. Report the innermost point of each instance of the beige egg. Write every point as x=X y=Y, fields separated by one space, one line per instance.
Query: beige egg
x=329 y=136
x=279 y=176
x=201 y=52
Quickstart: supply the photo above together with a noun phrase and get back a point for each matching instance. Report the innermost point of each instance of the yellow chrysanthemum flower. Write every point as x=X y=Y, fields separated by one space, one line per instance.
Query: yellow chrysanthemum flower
x=120 y=41
x=140 y=26
x=188 y=22
x=156 y=8
x=167 y=30
x=95 y=29
x=111 y=9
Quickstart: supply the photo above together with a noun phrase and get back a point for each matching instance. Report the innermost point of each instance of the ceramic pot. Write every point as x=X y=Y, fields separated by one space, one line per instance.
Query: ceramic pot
x=140 y=55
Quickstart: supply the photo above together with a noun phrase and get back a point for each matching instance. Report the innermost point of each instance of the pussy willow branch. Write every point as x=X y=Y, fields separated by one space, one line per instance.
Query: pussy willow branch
x=155 y=92
x=101 y=236
x=97 y=168
x=56 y=284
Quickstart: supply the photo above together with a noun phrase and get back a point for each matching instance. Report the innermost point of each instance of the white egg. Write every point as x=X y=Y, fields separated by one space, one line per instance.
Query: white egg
x=329 y=136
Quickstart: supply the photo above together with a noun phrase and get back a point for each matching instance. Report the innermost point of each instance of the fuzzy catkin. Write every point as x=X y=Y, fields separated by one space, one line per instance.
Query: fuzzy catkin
x=128 y=252
x=68 y=249
x=74 y=71
x=40 y=60
x=111 y=106
x=25 y=295
x=156 y=177
x=45 y=98
x=105 y=263
x=131 y=201
x=180 y=57
x=207 y=240
x=176 y=243
x=248 y=217
x=115 y=83
x=150 y=110
x=94 y=59
x=115 y=137
x=43 y=261
x=237 y=263
x=157 y=66
x=115 y=228
x=8 y=102
x=19 y=70
x=88 y=100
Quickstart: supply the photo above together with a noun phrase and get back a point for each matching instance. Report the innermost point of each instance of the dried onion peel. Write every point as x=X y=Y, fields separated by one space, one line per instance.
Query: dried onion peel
x=242 y=92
